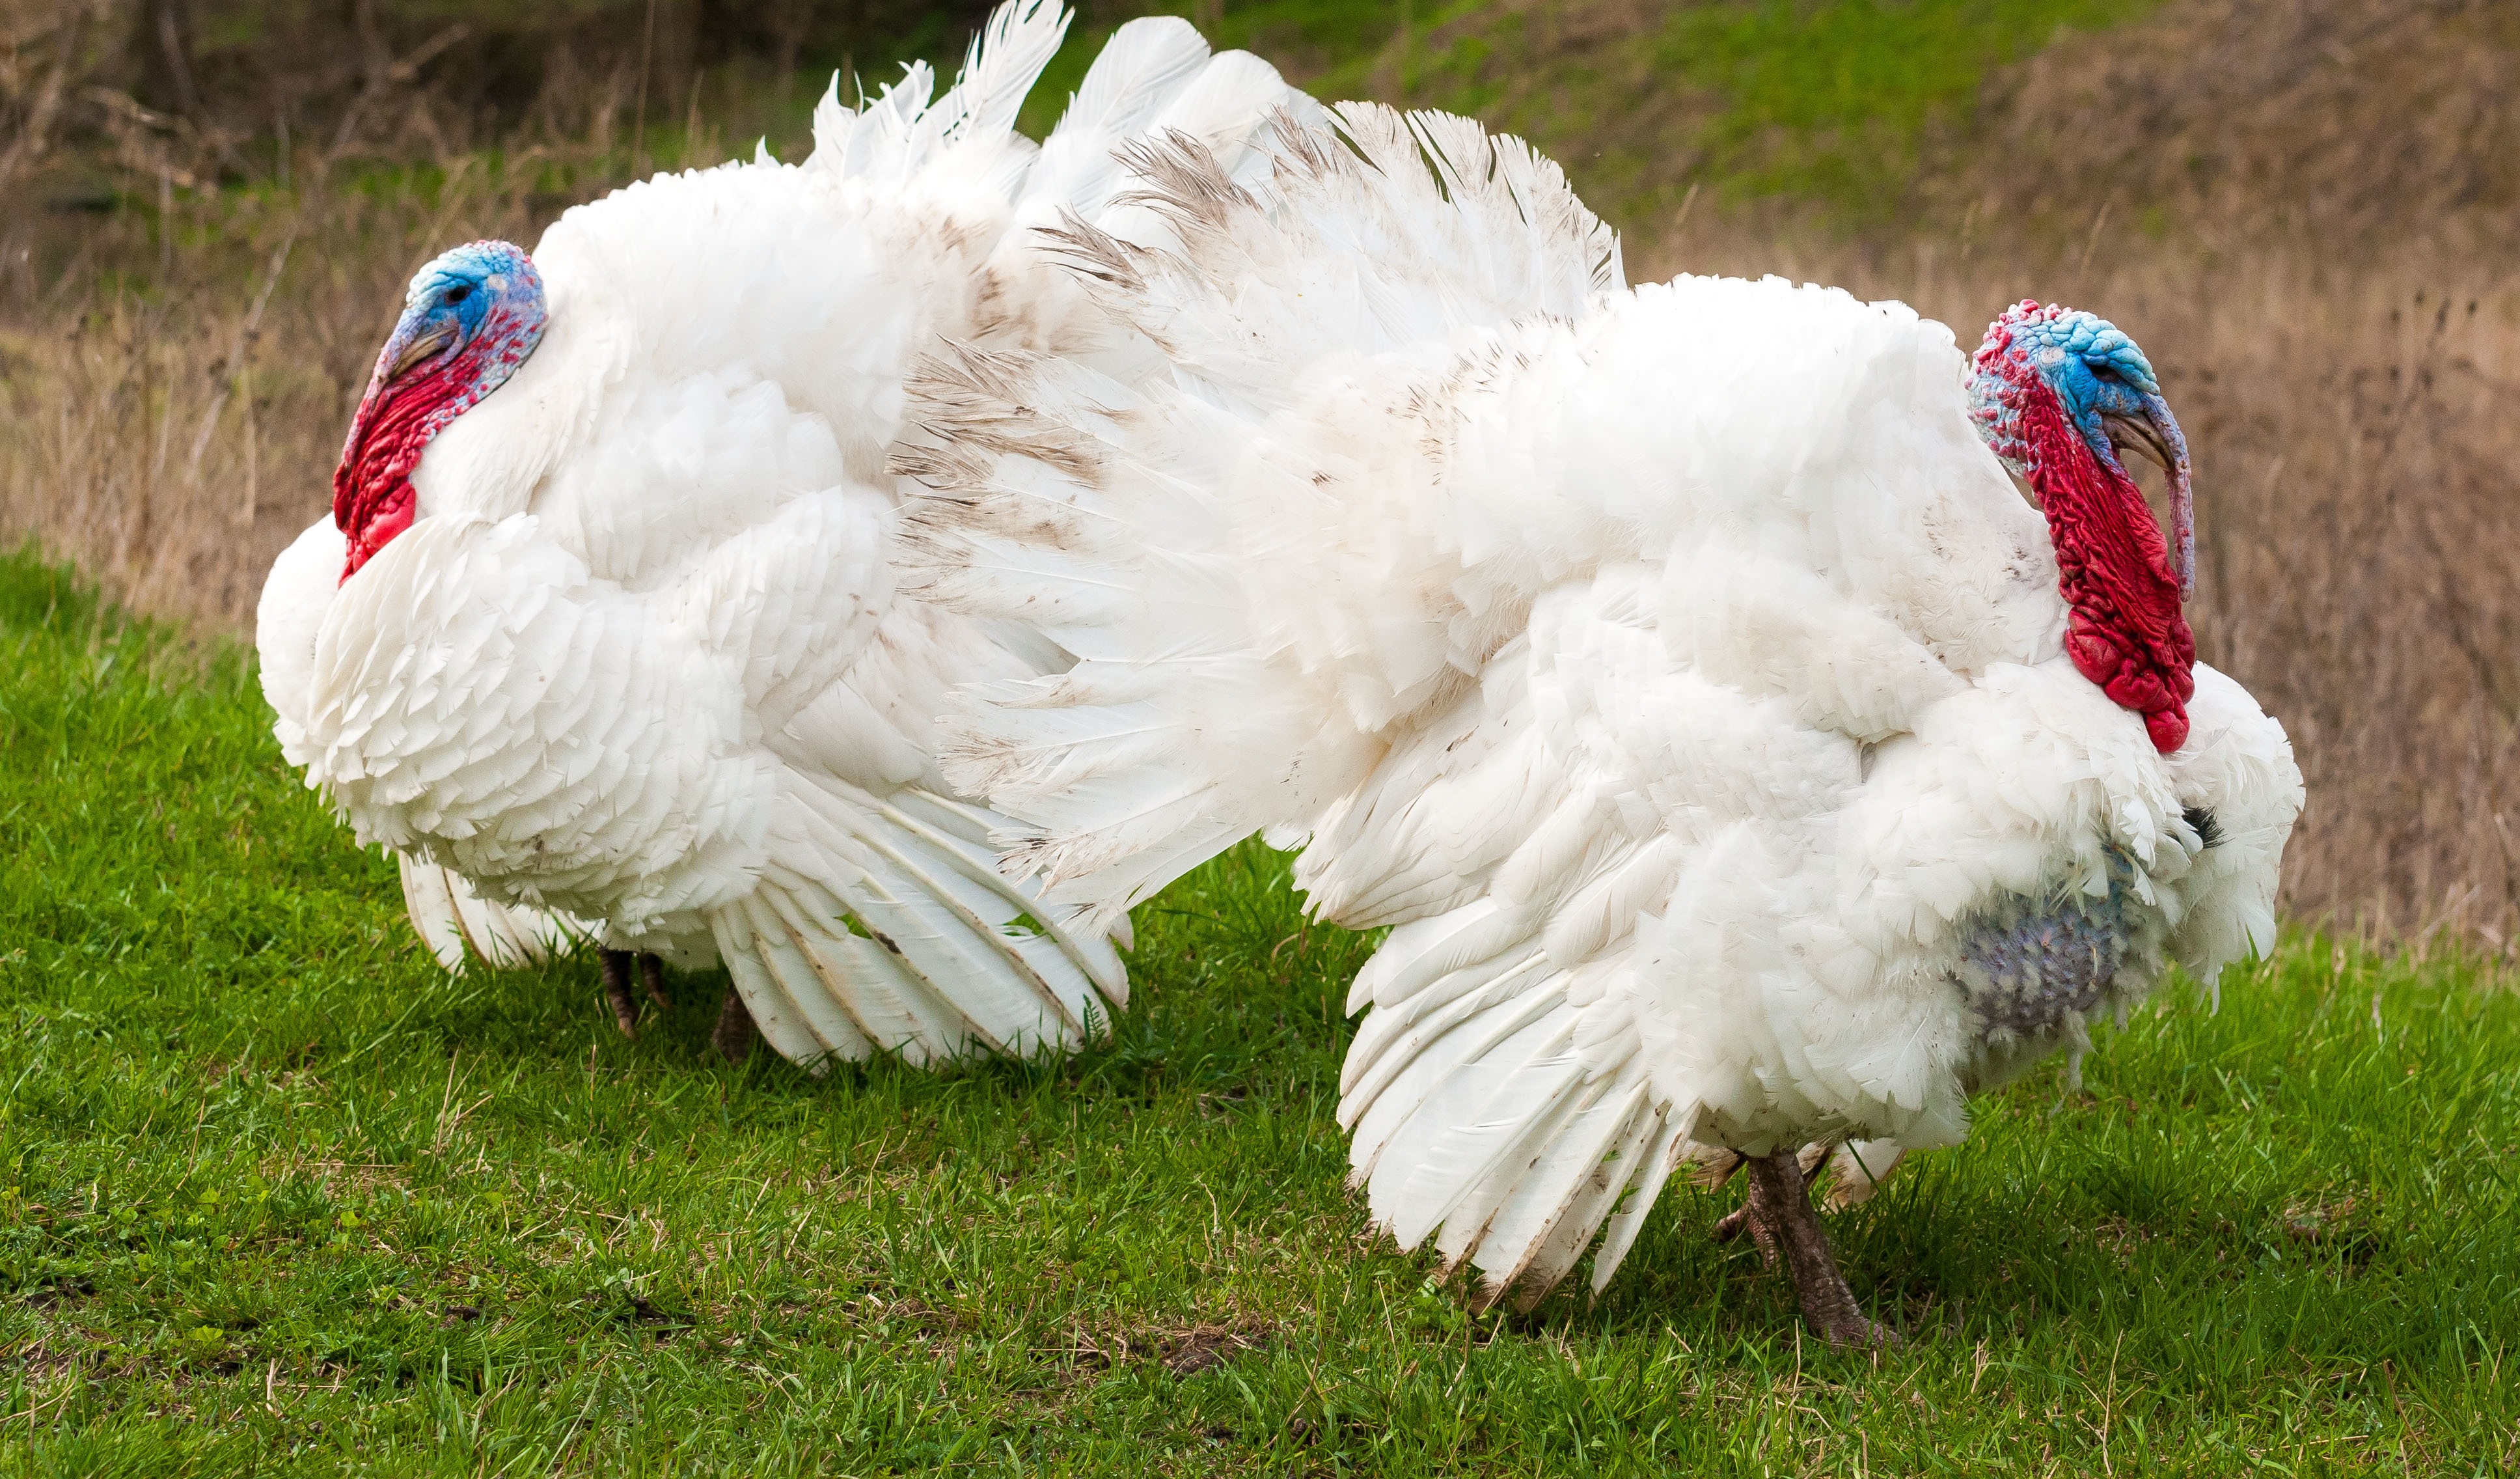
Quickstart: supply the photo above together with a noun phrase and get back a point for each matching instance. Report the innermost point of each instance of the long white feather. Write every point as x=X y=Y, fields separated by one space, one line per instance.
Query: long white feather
x=1006 y=57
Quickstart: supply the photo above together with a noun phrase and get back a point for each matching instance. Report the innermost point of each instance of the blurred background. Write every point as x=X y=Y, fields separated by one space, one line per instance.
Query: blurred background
x=2303 y=210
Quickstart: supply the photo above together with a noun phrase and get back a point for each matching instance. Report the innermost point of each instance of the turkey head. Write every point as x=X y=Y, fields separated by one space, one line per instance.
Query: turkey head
x=2057 y=393
x=469 y=319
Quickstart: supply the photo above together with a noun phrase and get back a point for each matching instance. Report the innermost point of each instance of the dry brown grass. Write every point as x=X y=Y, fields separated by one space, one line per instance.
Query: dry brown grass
x=171 y=403
x=174 y=381
x=171 y=437
x=2356 y=122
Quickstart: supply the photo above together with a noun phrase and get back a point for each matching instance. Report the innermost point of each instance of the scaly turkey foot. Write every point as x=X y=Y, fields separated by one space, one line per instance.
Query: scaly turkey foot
x=1781 y=1214
x=616 y=988
x=1732 y=1225
x=735 y=1033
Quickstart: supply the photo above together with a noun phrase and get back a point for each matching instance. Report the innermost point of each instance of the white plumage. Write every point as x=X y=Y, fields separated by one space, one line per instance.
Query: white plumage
x=1675 y=670
x=641 y=661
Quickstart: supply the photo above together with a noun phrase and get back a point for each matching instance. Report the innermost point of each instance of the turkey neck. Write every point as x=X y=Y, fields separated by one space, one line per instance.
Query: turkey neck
x=2124 y=627
x=373 y=499
x=371 y=492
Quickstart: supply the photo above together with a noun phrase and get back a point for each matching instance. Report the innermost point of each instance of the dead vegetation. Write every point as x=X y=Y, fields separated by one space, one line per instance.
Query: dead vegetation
x=172 y=436
x=1181 y=1352
x=2302 y=209
x=2357 y=124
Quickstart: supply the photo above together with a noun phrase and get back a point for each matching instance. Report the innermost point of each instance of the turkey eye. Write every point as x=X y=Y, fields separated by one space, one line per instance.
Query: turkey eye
x=2107 y=373
x=456 y=296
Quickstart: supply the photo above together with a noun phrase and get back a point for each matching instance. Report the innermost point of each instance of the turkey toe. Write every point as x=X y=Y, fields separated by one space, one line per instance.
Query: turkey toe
x=1746 y=1219
x=617 y=990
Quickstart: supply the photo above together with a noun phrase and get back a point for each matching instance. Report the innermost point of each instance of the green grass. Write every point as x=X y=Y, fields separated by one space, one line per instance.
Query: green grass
x=280 y=1197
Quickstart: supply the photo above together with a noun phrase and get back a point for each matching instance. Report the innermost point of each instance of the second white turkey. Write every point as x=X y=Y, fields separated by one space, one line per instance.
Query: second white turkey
x=604 y=634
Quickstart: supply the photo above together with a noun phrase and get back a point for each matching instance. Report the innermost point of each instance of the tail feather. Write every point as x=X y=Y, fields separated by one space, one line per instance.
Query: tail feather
x=1656 y=1155
x=902 y=129
x=1068 y=972
x=796 y=1016
x=1524 y=1196
x=1392 y=1041
x=976 y=860
x=456 y=924
x=1467 y=1236
x=1143 y=67
x=1599 y=1169
x=1154 y=77
x=879 y=924
x=1420 y=1064
x=886 y=1004
x=1462 y=1179
x=942 y=902
x=1134 y=524
x=935 y=946
x=1484 y=1117
x=1006 y=57
x=1416 y=955
x=1491 y=1050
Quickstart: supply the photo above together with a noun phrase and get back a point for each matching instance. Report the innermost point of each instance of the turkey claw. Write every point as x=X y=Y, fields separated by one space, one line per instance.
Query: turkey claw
x=616 y=988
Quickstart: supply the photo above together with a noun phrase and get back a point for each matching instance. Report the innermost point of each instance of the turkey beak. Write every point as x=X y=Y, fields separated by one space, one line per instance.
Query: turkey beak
x=2155 y=437
x=428 y=343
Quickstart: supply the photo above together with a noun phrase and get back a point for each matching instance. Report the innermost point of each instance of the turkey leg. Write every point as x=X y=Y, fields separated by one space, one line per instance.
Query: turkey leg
x=735 y=1033
x=616 y=987
x=1779 y=1213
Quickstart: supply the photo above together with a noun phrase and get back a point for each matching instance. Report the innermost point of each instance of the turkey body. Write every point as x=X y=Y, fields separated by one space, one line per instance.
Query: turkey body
x=639 y=665
x=1674 y=671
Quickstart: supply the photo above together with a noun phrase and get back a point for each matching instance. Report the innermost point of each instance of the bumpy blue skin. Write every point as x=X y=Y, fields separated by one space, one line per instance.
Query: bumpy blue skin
x=2094 y=368
x=462 y=289
x=2044 y=964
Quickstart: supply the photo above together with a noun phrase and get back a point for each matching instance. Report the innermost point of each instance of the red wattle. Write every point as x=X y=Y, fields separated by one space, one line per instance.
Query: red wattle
x=2126 y=629
x=373 y=499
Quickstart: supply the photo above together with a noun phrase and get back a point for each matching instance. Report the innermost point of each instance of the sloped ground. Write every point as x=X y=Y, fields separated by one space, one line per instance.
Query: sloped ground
x=1829 y=103
x=2362 y=124
x=2365 y=122
x=280 y=1197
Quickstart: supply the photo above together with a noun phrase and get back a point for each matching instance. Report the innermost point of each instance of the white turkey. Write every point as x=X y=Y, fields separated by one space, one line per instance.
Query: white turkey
x=604 y=634
x=1739 y=762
